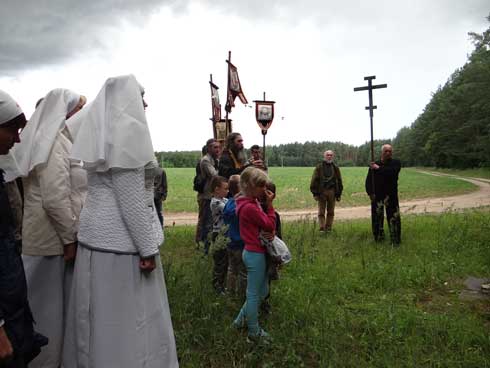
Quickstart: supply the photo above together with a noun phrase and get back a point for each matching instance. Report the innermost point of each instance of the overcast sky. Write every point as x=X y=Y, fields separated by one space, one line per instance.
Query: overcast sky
x=306 y=55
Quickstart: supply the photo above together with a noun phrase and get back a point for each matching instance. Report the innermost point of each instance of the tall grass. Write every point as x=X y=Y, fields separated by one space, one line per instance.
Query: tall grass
x=345 y=301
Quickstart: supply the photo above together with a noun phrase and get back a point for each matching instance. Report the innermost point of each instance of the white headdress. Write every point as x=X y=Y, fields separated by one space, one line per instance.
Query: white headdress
x=9 y=109
x=37 y=138
x=113 y=132
x=74 y=123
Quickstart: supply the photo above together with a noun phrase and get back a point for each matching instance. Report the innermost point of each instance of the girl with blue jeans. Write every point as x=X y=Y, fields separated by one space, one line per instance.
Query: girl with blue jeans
x=252 y=221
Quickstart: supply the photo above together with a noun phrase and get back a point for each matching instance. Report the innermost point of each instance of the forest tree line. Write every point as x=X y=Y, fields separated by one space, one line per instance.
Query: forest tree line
x=453 y=131
x=291 y=154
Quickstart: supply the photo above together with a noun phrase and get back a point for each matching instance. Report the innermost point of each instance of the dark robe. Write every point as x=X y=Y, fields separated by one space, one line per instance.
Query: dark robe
x=14 y=307
x=385 y=196
x=228 y=166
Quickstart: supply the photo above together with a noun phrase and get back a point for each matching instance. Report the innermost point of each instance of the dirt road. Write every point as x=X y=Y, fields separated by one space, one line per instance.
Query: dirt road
x=478 y=198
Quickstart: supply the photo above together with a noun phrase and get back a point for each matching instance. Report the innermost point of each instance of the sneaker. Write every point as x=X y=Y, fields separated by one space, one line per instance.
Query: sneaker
x=261 y=337
x=238 y=324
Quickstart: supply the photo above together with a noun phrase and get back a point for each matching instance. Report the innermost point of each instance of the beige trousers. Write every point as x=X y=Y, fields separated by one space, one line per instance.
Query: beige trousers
x=326 y=201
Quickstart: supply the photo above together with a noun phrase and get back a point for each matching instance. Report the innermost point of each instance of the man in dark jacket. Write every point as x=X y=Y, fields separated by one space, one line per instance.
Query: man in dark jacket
x=160 y=189
x=233 y=159
x=326 y=187
x=383 y=175
x=19 y=344
x=256 y=157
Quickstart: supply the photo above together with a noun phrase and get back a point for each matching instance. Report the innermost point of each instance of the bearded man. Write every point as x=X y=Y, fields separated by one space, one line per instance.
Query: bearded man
x=326 y=187
x=233 y=159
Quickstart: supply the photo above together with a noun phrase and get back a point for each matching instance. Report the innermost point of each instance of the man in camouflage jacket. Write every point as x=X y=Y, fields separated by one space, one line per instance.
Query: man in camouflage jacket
x=326 y=187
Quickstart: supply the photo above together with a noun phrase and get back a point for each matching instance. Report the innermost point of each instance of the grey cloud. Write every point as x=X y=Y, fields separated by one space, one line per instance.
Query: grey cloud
x=40 y=32
x=354 y=11
x=37 y=32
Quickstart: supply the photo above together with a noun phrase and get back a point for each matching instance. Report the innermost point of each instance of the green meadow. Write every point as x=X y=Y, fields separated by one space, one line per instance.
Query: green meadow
x=344 y=300
x=293 y=187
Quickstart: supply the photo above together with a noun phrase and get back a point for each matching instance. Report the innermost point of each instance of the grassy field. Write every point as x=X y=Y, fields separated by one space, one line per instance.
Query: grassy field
x=483 y=172
x=345 y=301
x=293 y=187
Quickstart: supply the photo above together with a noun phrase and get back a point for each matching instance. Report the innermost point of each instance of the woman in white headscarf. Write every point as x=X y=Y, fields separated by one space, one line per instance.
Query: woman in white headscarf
x=119 y=316
x=50 y=216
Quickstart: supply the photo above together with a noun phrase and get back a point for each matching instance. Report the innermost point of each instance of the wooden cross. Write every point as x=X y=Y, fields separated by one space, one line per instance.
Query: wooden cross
x=371 y=107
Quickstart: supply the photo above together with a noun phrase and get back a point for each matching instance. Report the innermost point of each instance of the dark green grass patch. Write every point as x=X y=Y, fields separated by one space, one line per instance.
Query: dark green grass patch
x=345 y=301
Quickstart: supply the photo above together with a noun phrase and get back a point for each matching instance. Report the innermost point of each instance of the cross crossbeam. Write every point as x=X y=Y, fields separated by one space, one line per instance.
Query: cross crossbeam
x=371 y=107
x=370 y=88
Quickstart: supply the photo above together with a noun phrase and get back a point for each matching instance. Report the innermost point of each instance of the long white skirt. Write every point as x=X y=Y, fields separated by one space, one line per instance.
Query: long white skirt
x=48 y=289
x=118 y=316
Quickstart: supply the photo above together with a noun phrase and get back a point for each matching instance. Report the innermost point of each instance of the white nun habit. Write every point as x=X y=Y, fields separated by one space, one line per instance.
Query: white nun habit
x=119 y=317
x=50 y=217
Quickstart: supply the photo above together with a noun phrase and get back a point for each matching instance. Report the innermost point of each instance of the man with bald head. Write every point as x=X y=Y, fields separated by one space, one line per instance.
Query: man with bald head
x=383 y=174
x=326 y=187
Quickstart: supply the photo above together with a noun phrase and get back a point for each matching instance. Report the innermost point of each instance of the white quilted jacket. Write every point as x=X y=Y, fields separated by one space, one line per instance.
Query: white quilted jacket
x=119 y=215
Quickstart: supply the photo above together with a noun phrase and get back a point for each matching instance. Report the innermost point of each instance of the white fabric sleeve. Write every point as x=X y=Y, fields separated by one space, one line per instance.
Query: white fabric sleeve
x=2 y=322
x=55 y=184
x=129 y=189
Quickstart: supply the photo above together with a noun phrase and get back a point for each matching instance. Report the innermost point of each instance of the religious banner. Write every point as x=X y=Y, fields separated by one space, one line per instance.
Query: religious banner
x=221 y=129
x=215 y=105
x=264 y=114
x=234 y=88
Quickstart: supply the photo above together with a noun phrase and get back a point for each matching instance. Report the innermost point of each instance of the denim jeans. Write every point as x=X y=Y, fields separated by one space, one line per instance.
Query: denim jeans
x=257 y=290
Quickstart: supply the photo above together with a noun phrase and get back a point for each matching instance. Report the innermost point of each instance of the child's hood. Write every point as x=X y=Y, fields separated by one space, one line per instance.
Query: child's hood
x=242 y=201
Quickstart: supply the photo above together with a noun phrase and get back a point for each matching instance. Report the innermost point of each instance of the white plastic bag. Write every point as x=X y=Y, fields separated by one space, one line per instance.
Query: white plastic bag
x=277 y=249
